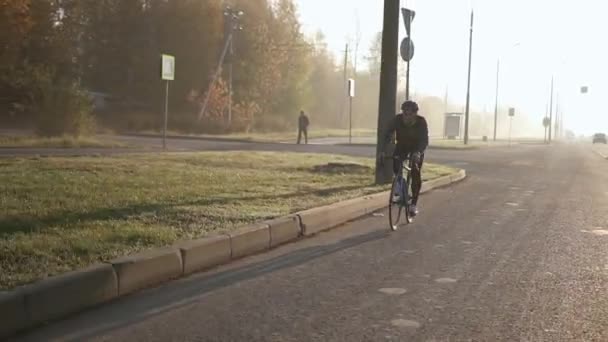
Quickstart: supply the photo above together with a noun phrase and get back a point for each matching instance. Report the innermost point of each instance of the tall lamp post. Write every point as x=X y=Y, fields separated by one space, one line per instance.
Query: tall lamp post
x=468 y=104
x=497 y=88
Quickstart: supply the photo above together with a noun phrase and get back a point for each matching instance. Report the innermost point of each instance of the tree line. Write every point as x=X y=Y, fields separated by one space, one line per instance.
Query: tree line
x=55 y=55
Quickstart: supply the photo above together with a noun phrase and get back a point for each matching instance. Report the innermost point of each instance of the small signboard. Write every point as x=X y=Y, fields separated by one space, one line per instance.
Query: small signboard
x=584 y=90
x=351 y=87
x=511 y=112
x=167 y=68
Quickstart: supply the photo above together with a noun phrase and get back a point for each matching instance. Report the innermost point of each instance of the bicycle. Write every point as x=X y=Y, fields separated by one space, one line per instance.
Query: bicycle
x=402 y=187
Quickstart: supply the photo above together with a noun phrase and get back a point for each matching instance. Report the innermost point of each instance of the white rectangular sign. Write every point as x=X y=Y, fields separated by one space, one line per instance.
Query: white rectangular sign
x=351 y=87
x=167 y=72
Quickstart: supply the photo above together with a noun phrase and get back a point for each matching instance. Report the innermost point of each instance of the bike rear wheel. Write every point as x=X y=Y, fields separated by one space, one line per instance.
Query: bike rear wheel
x=395 y=208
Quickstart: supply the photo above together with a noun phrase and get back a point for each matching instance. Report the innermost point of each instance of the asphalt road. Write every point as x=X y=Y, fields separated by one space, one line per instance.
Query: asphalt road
x=517 y=252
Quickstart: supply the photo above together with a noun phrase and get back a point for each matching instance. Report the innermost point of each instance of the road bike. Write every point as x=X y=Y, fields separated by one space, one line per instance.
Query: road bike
x=400 y=199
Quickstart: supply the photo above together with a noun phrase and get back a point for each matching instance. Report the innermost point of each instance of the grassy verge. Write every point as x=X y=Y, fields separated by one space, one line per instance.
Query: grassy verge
x=59 y=214
x=280 y=136
x=57 y=142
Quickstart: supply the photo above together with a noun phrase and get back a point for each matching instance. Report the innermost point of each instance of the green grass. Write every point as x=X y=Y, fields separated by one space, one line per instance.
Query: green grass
x=56 y=142
x=312 y=134
x=473 y=144
x=281 y=136
x=59 y=214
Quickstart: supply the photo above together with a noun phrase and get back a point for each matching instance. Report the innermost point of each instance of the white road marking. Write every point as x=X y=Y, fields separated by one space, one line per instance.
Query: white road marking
x=405 y=323
x=445 y=280
x=393 y=291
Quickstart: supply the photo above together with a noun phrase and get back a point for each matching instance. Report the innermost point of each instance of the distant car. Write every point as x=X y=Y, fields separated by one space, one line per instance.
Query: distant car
x=599 y=138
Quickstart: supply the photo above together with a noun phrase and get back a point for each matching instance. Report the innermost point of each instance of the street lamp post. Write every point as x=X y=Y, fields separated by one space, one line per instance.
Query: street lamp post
x=551 y=113
x=496 y=99
x=496 y=102
x=468 y=104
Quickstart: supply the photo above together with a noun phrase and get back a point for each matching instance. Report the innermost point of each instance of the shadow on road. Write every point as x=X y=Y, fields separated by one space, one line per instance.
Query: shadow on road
x=139 y=307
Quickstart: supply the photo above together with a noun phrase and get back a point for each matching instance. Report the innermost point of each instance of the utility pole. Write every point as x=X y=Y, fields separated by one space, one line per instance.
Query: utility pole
x=230 y=59
x=445 y=99
x=344 y=85
x=388 y=87
x=233 y=17
x=551 y=112
x=558 y=120
x=407 y=73
x=232 y=23
x=496 y=101
x=468 y=103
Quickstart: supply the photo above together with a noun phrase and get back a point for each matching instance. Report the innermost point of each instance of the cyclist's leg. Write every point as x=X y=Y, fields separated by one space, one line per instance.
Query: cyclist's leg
x=417 y=180
x=397 y=164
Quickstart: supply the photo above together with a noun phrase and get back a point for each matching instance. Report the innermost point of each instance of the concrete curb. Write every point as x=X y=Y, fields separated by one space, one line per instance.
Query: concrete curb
x=69 y=292
x=59 y=296
x=201 y=254
x=250 y=240
x=147 y=269
x=13 y=316
x=284 y=230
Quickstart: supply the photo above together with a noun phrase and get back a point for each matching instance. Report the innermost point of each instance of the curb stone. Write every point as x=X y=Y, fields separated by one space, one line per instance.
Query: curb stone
x=201 y=254
x=284 y=230
x=131 y=273
x=250 y=240
x=13 y=316
x=66 y=293
x=146 y=269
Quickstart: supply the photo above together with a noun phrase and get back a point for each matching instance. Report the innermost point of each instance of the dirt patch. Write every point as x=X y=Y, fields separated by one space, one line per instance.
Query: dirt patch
x=341 y=168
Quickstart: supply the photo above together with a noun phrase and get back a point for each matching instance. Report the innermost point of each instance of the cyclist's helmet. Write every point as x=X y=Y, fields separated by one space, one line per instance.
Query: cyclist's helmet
x=411 y=105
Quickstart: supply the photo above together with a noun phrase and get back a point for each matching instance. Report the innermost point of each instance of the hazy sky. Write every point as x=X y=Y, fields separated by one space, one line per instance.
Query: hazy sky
x=552 y=37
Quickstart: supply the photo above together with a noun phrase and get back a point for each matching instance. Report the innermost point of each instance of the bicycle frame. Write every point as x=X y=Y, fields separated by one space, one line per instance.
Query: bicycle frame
x=403 y=181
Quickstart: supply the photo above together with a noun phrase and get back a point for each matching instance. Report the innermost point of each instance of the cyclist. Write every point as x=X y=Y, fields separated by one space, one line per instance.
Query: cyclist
x=412 y=139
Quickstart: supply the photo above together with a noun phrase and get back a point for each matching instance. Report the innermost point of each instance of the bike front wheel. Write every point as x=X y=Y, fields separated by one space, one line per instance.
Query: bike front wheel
x=395 y=204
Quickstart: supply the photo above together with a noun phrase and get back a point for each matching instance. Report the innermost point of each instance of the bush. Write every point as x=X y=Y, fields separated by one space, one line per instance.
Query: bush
x=63 y=109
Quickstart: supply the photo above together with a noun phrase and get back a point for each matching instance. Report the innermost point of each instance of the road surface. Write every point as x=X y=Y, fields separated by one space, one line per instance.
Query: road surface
x=517 y=252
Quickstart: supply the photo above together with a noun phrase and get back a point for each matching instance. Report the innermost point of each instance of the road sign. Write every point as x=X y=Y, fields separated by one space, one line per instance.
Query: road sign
x=546 y=122
x=351 y=87
x=407 y=49
x=167 y=72
x=584 y=90
x=408 y=17
x=511 y=111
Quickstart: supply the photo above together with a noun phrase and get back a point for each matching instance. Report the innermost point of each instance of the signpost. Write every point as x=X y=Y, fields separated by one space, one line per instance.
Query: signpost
x=351 y=95
x=546 y=124
x=407 y=46
x=167 y=73
x=511 y=115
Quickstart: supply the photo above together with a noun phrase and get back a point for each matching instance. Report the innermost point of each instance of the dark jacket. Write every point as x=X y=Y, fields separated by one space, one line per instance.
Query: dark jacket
x=303 y=122
x=410 y=138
